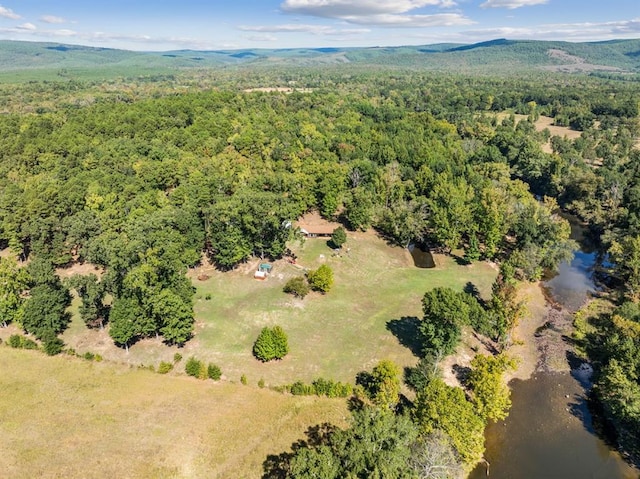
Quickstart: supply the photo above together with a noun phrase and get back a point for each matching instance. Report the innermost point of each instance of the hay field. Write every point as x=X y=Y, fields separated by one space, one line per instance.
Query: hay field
x=64 y=417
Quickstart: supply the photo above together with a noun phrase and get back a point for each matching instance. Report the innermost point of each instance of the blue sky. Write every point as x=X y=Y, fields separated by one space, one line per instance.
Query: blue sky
x=216 y=24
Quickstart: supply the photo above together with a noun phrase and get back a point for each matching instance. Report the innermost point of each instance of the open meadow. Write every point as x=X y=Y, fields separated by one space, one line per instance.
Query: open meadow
x=116 y=419
x=65 y=417
x=336 y=335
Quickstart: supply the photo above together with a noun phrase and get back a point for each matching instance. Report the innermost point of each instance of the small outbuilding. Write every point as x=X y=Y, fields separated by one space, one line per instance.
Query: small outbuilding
x=264 y=270
x=265 y=267
x=312 y=225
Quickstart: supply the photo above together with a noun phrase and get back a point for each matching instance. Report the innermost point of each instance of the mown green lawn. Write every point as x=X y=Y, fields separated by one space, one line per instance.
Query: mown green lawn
x=334 y=335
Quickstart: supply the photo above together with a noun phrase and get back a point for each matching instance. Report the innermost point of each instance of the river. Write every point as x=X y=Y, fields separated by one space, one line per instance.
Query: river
x=550 y=431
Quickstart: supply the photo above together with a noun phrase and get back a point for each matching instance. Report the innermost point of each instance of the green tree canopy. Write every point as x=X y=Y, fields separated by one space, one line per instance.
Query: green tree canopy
x=321 y=279
x=491 y=395
x=445 y=312
x=339 y=237
x=376 y=445
x=272 y=343
x=14 y=282
x=445 y=408
x=45 y=310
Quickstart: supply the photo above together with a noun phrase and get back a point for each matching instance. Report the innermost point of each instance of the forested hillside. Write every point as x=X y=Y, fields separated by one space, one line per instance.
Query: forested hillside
x=28 y=60
x=144 y=180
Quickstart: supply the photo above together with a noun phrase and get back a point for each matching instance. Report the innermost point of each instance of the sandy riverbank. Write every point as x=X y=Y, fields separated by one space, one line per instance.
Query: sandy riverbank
x=537 y=340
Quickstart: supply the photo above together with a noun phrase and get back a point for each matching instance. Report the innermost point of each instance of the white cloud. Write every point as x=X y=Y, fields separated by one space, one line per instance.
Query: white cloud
x=577 y=32
x=383 y=13
x=344 y=8
x=303 y=28
x=412 y=21
x=27 y=26
x=262 y=38
x=8 y=13
x=511 y=4
x=63 y=33
x=52 y=19
x=589 y=31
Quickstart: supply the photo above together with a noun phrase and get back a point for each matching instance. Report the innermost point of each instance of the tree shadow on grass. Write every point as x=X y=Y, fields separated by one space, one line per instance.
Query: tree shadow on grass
x=277 y=466
x=407 y=330
x=472 y=289
x=460 y=260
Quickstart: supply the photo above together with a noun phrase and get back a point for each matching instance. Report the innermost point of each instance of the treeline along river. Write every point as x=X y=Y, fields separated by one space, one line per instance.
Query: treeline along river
x=550 y=431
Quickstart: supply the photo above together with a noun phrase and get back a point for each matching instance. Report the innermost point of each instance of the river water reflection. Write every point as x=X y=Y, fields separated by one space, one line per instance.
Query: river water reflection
x=549 y=433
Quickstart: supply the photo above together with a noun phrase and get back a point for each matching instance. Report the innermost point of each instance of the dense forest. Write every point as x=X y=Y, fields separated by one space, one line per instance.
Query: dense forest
x=143 y=179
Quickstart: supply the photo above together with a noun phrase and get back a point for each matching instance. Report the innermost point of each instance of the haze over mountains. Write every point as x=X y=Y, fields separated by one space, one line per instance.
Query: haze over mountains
x=501 y=55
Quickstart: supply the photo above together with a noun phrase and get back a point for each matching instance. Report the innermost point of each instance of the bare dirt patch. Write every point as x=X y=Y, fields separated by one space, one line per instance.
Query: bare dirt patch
x=82 y=269
x=278 y=89
x=524 y=347
x=312 y=221
x=572 y=63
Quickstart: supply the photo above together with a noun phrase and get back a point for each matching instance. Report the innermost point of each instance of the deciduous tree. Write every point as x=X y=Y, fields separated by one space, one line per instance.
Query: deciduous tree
x=321 y=279
x=13 y=283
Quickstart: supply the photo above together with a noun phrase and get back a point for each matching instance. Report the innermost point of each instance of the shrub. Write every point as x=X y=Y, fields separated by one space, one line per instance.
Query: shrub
x=271 y=344
x=214 y=372
x=321 y=279
x=15 y=341
x=164 y=367
x=301 y=389
x=243 y=379
x=207 y=297
x=92 y=357
x=297 y=286
x=320 y=387
x=20 y=342
x=51 y=343
x=193 y=367
x=177 y=358
x=339 y=237
x=330 y=388
x=261 y=383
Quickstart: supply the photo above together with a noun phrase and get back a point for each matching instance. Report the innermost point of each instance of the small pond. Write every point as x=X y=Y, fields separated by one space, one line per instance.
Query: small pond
x=422 y=257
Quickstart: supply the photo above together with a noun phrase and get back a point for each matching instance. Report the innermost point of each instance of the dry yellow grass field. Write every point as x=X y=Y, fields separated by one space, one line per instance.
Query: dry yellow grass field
x=64 y=417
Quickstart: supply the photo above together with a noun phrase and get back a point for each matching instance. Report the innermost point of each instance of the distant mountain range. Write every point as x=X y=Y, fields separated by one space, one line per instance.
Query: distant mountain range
x=619 y=56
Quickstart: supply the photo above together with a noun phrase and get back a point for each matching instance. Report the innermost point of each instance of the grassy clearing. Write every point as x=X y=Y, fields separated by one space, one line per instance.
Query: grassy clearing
x=334 y=335
x=545 y=122
x=65 y=417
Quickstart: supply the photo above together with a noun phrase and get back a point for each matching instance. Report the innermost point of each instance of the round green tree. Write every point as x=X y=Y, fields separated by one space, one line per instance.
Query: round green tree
x=271 y=344
x=297 y=286
x=339 y=237
x=321 y=279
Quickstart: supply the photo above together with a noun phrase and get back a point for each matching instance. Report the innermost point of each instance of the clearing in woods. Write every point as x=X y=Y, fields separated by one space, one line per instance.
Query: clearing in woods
x=334 y=336
x=115 y=420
